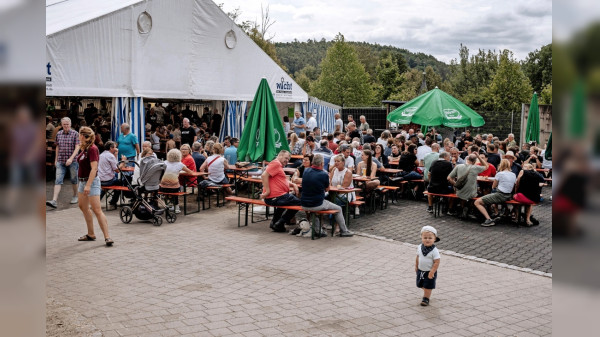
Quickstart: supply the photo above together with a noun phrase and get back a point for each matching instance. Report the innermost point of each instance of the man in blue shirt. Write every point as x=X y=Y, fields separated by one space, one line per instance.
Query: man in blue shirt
x=197 y=155
x=315 y=182
x=299 y=123
x=127 y=144
x=231 y=152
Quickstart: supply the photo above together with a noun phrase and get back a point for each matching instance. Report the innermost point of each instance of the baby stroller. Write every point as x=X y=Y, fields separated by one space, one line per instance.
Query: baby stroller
x=146 y=204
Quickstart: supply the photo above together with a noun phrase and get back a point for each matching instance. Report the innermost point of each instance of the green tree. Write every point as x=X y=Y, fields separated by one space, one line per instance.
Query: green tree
x=538 y=67
x=471 y=75
x=343 y=80
x=388 y=77
x=546 y=94
x=510 y=87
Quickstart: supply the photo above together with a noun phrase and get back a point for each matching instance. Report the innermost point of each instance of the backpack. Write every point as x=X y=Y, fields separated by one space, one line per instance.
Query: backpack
x=462 y=181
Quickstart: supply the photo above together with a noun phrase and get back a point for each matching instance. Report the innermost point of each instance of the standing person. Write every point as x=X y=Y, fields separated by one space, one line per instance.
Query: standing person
x=299 y=124
x=427 y=262
x=199 y=158
x=128 y=144
x=215 y=122
x=315 y=182
x=350 y=120
x=510 y=141
x=311 y=123
x=67 y=145
x=49 y=127
x=160 y=113
x=504 y=183
x=286 y=124
x=364 y=126
x=107 y=169
x=276 y=189
x=188 y=135
x=352 y=131
x=339 y=124
x=89 y=186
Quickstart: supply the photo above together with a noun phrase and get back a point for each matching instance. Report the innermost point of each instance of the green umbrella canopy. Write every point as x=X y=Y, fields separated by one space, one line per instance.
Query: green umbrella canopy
x=434 y=108
x=263 y=136
x=548 y=152
x=532 y=133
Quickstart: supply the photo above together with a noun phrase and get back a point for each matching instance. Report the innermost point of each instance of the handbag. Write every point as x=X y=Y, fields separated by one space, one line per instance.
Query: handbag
x=462 y=181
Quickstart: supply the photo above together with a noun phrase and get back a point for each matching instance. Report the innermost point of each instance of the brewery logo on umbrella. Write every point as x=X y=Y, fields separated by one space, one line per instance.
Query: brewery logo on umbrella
x=277 y=138
x=409 y=111
x=452 y=114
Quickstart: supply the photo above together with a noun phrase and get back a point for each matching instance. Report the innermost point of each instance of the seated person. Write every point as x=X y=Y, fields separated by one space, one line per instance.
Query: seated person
x=502 y=189
x=315 y=184
x=216 y=166
x=438 y=181
x=276 y=189
x=297 y=177
x=107 y=169
x=529 y=189
x=170 y=180
x=367 y=168
x=470 y=170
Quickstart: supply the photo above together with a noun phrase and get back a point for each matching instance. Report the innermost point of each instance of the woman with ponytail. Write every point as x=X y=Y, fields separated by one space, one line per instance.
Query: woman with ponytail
x=89 y=186
x=368 y=168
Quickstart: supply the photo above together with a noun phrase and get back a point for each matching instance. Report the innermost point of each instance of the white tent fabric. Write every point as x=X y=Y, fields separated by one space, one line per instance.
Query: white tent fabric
x=234 y=119
x=325 y=113
x=94 y=48
x=131 y=111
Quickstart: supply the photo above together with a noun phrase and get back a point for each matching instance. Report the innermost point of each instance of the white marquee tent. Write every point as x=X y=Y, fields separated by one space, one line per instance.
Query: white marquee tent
x=158 y=49
x=184 y=49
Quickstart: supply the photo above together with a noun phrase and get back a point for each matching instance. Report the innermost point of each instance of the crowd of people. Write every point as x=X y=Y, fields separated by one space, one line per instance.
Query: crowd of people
x=328 y=159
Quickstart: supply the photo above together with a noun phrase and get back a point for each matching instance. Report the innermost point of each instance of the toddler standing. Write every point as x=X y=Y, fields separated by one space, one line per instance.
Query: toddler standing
x=427 y=263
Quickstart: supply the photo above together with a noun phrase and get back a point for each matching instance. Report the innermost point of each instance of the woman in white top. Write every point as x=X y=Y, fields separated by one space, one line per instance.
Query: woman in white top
x=216 y=167
x=368 y=168
x=170 y=179
x=342 y=176
x=383 y=139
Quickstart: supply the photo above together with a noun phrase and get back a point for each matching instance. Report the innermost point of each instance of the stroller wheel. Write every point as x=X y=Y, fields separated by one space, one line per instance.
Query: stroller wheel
x=126 y=214
x=157 y=221
x=171 y=217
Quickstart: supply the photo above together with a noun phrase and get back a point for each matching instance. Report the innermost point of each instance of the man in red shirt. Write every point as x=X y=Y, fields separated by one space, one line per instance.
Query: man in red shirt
x=332 y=145
x=276 y=189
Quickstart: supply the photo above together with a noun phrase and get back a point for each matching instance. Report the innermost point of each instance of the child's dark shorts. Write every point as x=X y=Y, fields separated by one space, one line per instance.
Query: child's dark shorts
x=423 y=280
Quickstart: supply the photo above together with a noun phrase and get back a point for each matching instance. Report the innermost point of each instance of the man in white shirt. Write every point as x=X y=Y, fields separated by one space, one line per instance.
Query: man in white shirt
x=311 y=122
x=423 y=150
x=339 y=124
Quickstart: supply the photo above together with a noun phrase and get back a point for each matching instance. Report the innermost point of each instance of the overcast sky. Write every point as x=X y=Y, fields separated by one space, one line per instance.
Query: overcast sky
x=432 y=27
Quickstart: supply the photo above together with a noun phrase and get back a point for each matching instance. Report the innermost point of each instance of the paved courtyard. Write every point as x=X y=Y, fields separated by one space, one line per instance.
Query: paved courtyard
x=526 y=247
x=203 y=276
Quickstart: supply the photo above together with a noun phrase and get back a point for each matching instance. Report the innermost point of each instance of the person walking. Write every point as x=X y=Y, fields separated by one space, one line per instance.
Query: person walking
x=89 y=186
x=67 y=146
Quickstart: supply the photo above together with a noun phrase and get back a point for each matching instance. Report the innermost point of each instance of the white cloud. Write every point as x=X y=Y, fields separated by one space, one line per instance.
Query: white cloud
x=437 y=28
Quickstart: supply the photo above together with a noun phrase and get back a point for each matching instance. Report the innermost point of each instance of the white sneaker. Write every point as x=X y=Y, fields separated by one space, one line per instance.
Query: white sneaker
x=177 y=211
x=356 y=211
x=74 y=200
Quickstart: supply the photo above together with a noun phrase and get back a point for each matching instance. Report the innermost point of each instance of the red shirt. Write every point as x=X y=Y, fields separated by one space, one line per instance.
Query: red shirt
x=333 y=146
x=191 y=164
x=490 y=172
x=278 y=183
x=85 y=159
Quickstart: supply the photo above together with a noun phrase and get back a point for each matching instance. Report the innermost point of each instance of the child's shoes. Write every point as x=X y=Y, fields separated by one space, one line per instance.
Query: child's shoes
x=425 y=302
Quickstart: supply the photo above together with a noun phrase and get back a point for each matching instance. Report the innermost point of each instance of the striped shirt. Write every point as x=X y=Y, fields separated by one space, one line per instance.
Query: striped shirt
x=66 y=144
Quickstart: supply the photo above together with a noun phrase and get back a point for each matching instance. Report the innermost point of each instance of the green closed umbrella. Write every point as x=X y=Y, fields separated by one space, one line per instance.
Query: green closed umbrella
x=263 y=136
x=532 y=133
x=548 y=152
x=434 y=108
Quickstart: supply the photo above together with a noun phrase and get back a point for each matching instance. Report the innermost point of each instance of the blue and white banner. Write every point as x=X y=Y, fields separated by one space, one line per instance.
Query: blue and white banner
x=325 y=113
x=128 y=110
x=234 y=119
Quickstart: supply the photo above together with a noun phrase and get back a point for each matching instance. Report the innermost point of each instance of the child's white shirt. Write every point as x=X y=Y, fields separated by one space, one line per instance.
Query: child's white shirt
x=426 y=262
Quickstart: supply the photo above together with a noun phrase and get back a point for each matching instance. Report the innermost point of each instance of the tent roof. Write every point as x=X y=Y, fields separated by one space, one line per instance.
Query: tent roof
x=193 y=50
x=64 y=14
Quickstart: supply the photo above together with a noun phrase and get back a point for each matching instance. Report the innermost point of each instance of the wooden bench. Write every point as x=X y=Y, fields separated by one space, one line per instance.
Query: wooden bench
x=111 y=190
x=184 y=194
x=385 y=190
x=218 y=189
x=245 y=202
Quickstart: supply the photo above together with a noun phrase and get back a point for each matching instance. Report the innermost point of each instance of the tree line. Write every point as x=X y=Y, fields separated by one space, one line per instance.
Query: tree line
x=353 y=74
